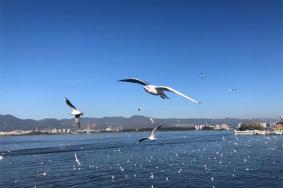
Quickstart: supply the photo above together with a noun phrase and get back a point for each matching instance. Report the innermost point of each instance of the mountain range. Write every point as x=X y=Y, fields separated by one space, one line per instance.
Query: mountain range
x=10 y=122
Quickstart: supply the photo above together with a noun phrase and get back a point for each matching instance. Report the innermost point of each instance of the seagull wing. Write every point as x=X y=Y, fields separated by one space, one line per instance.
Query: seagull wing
x=69 y=103
x=135 y=80
x=77 y=160
x=154 y=130
x=232 y=90
x=143 y=139
x=165 y=88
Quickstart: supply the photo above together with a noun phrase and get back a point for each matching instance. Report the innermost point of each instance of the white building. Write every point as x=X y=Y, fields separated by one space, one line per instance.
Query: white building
x=264 y=125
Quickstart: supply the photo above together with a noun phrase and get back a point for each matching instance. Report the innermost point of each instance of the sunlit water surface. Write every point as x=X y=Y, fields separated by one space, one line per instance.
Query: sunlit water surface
x=176 y=159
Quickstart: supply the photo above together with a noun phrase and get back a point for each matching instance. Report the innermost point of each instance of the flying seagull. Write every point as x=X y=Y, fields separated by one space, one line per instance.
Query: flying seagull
x=232 y=90
x=157 y=90
x=202 y=75
x=75 y=112
x=77 y=160
x=139 y=109
x=151 y=120
x=152 y=135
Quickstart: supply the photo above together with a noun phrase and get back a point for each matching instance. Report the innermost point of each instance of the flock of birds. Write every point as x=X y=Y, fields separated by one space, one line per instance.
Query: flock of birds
x=157 y=91
x=149 y=88
x=232 y=156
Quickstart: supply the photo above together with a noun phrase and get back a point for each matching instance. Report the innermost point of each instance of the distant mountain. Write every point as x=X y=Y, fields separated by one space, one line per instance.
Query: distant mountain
x=9 y=122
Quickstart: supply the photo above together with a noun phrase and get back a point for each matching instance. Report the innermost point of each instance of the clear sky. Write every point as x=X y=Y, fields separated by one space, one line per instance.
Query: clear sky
x=80 y=48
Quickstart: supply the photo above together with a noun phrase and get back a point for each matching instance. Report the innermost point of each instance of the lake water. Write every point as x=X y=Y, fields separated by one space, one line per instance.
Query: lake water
x=177 y=159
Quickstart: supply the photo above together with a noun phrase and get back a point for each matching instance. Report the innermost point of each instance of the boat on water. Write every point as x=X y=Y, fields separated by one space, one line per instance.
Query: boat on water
x=278 y=132
x=253 y=132
x=246 y=132
x=278 y=128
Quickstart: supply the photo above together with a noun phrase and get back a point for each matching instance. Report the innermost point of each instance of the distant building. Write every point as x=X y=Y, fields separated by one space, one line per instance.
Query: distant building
x=54 y=131
x=212 y=127
x=264 y=125
x=199 y=127
x=221 y=127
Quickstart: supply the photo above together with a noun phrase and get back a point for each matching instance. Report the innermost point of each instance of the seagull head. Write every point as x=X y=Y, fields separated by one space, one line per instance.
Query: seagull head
x=146 y=88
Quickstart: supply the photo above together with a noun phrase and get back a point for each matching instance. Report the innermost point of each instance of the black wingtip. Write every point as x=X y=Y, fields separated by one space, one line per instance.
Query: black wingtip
x=123 y=80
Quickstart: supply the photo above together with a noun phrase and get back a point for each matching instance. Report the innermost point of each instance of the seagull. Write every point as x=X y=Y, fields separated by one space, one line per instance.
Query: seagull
x=139 y=109
x=157 y=90
x=42 y=174
x=202 y=75
x=75 y=112
x=152 y=135
x=232 y=90
x=77 y=160
x=151 y=120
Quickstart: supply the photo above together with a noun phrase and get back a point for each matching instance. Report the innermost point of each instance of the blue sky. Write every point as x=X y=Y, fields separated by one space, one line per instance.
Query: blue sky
x=79 y=49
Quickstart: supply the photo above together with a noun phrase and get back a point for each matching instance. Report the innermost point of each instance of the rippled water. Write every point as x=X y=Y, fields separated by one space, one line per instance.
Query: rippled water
x=177 y=159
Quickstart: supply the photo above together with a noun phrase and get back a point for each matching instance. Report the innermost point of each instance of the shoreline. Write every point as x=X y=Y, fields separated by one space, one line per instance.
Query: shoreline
x=97 y=132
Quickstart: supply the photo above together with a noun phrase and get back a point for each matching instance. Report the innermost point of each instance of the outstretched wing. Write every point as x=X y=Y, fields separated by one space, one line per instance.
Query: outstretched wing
x=77 y=160
x=154 y=130
x=69 y=103
x=143 y=139
x=165 y=88
x=135 y=80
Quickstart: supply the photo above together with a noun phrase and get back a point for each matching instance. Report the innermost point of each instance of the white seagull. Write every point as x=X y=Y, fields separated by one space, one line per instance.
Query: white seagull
x=152 y=135
x=202 y=75
x=139 y=109
x=77 y=160
x=157 y=90
x=75 y=112
x=151 y=120
x=232 y=90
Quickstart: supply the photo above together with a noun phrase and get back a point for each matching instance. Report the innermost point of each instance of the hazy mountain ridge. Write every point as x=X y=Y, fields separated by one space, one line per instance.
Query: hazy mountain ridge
x=10 y=122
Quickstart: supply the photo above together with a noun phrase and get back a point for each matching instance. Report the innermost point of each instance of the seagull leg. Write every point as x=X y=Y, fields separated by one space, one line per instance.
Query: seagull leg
x=163 y=96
